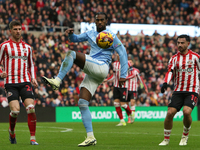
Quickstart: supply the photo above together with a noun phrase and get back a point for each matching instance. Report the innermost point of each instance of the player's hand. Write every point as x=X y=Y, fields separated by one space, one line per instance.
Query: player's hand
x=34 y=82
x=121 y=81
x=105 y=80
x=70 y=31
x=3 y=74
x=164 y=87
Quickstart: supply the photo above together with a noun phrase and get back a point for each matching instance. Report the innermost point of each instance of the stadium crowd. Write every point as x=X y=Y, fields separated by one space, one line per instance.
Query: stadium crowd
x=150 y=54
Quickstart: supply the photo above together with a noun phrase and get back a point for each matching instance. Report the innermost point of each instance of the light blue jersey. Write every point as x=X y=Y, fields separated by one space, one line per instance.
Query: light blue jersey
x=104 y=55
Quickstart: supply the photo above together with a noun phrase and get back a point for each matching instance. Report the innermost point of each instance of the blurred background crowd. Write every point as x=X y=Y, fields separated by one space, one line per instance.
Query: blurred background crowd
x=150 y=54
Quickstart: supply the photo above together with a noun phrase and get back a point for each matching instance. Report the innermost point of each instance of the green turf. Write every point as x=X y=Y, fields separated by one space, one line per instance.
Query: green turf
x=66 y=136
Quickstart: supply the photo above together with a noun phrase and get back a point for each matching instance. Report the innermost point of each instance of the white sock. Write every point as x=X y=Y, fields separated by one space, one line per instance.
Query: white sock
x=167 y=133
x=122 y=120
x=58 y=79
x=186 y=131
x=90 y=134
x=32 y=138
x=133 y=108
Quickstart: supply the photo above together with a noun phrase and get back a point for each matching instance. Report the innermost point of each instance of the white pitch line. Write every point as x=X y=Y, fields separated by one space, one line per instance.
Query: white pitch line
x=63 y=129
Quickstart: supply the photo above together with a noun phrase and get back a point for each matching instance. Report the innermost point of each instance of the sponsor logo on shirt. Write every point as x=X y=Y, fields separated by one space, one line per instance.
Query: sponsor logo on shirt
x=19 y=57
x=189 y=70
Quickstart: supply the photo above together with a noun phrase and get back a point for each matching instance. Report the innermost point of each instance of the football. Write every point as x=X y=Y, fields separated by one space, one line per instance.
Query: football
x=104 y=39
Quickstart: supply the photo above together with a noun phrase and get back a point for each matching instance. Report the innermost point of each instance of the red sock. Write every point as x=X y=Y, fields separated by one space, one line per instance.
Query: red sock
x=128 y=110
x=12 y=123
x=32 y=123
x=119 y=112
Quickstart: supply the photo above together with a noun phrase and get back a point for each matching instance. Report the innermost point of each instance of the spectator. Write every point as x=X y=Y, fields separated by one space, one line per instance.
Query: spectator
x=40 y=4
x=61 y=17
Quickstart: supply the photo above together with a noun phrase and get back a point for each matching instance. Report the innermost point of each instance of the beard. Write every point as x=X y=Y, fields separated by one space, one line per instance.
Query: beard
x=182 y=49
x=99 y=29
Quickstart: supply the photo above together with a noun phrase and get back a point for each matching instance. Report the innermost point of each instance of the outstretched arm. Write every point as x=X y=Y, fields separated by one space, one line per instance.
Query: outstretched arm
x=76 y=38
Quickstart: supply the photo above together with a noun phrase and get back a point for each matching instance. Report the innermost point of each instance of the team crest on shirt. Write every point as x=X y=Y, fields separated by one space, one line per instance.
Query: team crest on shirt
x=24 y=50
x=9 y=94
x=190 y=62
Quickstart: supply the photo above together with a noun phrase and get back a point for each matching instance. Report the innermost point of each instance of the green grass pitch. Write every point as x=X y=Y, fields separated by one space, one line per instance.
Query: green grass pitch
x=66 y=136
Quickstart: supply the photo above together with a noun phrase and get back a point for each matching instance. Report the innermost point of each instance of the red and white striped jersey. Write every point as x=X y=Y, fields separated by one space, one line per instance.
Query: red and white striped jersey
x=116 y=74
x=185 y=69
x=133 y=76
x=17 y=61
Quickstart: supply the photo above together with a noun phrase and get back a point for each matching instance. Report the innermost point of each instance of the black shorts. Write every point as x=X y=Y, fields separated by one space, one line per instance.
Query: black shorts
x=23 y=90
x=180 y=99
x=131 y=95
x=120 y=93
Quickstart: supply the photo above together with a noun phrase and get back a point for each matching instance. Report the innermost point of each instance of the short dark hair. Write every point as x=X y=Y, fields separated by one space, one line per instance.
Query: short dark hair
x=102 y=13
x=14 y=23
x=184 y=36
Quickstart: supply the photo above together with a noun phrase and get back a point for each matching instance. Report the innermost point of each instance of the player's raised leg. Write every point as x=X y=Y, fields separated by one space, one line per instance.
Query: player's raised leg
x=70 y=58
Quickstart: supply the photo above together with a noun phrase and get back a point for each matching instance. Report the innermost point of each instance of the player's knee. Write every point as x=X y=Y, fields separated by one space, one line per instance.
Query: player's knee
x=116 y=104
x=71 y=53
x=186 y=112
x=14 y=114
x=170 y=114
x=30 y=109
x=83 y=103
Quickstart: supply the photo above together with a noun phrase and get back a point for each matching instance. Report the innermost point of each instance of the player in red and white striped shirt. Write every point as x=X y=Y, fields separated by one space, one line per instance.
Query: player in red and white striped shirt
x=120 y=93
x=132 y=85
x=184 y=67
x=19 y=72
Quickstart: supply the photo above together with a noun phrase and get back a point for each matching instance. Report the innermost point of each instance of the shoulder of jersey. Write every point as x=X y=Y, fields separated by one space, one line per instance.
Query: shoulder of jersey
x=26 y=43
x=116 y=62
x=1 y=44
x=136 y=70
x=90 y=31
x=194 y=53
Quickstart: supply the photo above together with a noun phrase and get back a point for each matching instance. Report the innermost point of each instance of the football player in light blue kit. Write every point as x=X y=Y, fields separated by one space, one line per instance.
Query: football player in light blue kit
x=96 y=67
